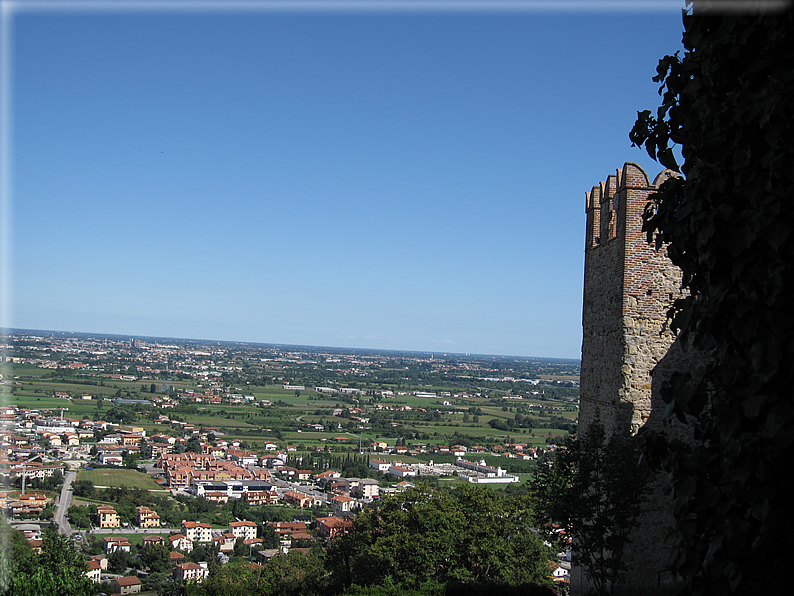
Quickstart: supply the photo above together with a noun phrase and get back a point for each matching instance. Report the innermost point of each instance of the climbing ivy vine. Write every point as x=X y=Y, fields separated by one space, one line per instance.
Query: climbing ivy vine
x=728 y=102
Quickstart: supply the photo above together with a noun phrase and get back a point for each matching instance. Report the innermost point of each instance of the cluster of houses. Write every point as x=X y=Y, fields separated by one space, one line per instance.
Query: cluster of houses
x=190 y=534
x=290 y=536
x=244 y=475
x=25 y=504
x=214 y=464
x=26 y=433
x=182 y=571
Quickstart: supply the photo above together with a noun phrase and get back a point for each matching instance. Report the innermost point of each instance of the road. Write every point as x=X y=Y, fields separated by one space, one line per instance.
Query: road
x=115 y=531
x=63 y=504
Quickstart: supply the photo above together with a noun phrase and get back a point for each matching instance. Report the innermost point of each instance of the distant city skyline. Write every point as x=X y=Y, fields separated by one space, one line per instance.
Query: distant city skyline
x=369 y=178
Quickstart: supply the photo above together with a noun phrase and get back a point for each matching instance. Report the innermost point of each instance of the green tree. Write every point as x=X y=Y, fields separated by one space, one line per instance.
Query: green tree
x=78 y=516
x=193 y=444
x=155 y=581
x=729 y=104
x=201 y=553
x=130 y=460
x=295 y=574
x=156 y=557
x=55 y=480
x=269 y=537
x=121 y=415
x=240 y=549
x=470 y=537
x=16 y=555
x=594 y=488
x=118 y=561
x=83 y=488
x=59 y=569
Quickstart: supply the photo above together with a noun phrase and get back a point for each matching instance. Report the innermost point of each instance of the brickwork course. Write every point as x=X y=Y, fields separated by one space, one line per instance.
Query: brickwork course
x=627 y=351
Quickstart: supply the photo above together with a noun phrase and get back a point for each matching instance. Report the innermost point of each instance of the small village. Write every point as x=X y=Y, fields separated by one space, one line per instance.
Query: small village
x=192 y=463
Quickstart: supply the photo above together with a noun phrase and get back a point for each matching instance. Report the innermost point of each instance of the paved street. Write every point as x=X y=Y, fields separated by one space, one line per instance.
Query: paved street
x=63 y=504
x=117 y=531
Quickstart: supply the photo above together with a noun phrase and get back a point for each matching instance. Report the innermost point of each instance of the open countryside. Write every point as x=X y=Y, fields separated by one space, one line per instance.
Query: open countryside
x=220 y=453
x=312 y=397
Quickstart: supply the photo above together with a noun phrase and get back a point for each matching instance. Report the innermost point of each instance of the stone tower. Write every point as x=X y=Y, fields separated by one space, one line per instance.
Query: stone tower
x=627 y=352
x=628 y=289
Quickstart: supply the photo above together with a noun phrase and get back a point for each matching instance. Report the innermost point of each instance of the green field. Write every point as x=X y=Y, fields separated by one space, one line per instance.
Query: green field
x=256 y=425
x=76 y=408
x=118 y=478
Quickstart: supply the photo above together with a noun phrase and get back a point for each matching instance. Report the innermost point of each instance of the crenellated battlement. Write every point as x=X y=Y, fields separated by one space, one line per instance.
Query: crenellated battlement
x=628 y=188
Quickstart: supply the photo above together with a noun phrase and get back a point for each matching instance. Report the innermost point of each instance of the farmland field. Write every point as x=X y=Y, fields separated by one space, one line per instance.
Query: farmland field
x=479 y=400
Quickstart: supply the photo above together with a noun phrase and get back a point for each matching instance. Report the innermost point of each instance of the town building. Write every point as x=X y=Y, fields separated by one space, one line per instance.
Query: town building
x=369 y=488
x=111 y=544
x=126 y=585
x=94 y=572
x=107 y=517
x=187 y=572
x=147 y=518
x=101 y=560
x=331 y=527
x=180 y=542
x=197 y=531
x=379 y=465
x=268 y=497
x=299 y=499
x=342 y=503
x=225 y=542
x=152 y=540
x=243 y=529
x=483 y=473
x=401 y=471
x=176 y=558
x=28 y=504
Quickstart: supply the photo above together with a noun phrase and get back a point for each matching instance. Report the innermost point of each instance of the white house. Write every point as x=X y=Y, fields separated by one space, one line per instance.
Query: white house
x=180 y=542
x=243 y=529
x=341 y=503
x=197 y=531
x=400 y=471
x=379 y=465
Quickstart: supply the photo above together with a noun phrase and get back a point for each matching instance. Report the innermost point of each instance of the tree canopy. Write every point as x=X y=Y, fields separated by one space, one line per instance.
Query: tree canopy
x=470 y=536
x=470 y=540
x=593 y=489
x=59 y=569
x=729 y=104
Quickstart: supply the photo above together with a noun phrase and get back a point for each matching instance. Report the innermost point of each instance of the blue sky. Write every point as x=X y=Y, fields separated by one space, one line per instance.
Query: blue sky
x=354 y=178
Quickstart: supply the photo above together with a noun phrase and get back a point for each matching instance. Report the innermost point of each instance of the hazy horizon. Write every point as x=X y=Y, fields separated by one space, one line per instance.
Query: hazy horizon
x=257 y=344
